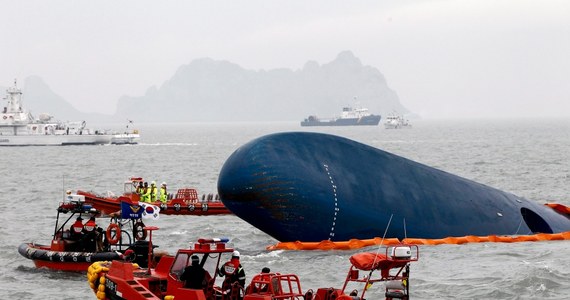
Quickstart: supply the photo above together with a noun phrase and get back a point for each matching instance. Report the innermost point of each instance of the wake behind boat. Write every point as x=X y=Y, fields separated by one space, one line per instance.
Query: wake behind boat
x=349 y=117
x=19 y=128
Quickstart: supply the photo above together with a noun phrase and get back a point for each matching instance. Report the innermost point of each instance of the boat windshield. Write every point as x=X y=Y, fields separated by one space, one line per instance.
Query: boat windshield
x=209 y=262
x=130 y=187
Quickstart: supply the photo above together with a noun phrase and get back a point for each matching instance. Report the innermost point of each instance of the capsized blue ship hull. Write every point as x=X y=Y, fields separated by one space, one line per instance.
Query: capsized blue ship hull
x=301 y=186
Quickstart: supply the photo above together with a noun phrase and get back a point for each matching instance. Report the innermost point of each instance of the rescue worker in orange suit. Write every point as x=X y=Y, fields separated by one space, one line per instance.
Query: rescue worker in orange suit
x=163 y=193
x=77 y=235
x=90 y=225
x=77 y=228
x=90 y=237
x=235 y=276
x=261 y=287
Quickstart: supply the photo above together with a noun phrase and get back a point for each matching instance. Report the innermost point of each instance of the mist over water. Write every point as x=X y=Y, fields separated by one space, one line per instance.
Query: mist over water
x=529 y=158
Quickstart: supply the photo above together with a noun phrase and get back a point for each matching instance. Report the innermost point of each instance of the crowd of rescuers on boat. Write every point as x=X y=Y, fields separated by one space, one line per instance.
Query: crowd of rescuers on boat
x=151 y=193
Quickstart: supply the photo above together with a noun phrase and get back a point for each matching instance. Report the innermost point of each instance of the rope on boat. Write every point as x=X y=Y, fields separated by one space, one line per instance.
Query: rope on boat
x=96 y=277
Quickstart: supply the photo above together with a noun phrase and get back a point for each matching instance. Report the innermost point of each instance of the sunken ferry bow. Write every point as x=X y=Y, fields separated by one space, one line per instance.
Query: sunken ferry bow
x=301 y=186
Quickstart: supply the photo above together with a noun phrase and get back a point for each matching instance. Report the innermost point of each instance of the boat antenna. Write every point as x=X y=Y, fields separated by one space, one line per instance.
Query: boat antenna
x=63 y=186
x=385 y=231
x=405 y=231
x=376 y=256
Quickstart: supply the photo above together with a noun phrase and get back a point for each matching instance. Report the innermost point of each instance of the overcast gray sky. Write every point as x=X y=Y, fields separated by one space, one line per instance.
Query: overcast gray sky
x=479 y=58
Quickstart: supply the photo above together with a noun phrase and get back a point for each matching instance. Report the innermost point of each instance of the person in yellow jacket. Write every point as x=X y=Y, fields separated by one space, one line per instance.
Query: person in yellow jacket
x=163 y=193
x=146 y=193
x=140 y=189
x=153 y=192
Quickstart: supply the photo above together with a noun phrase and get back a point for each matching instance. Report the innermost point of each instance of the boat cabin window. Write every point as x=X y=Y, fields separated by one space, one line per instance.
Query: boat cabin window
x=130 y=187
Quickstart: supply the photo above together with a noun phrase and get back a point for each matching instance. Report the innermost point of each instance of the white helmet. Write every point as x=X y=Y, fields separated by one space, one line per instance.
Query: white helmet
x=163 y=183
x=153 y=183
x=235 y=254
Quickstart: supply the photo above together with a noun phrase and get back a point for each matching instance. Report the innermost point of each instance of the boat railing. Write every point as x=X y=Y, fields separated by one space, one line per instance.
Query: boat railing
x=279 y=286
x=187 y=194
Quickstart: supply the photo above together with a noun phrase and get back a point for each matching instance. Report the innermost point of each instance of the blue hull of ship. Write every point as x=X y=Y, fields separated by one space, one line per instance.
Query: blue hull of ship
x=312 y=187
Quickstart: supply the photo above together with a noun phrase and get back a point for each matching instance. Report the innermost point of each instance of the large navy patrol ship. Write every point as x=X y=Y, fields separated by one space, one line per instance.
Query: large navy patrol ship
x=19 y=128
x=302 y=186
x=350 y=116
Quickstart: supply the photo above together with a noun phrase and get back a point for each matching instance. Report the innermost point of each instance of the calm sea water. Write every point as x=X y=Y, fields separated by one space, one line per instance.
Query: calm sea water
x=529 y=158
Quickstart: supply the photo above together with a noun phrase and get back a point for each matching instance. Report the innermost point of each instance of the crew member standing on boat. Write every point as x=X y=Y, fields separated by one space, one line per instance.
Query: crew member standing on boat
x=163 y=193
x=235 y=275
x=194 y=275
x=146 y=193
x=153 y=192
x=90 y=237
x=140 y=189
x=77 y=235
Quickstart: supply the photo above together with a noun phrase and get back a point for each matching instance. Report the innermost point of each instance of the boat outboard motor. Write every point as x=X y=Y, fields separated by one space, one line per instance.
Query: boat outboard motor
x=141 y=252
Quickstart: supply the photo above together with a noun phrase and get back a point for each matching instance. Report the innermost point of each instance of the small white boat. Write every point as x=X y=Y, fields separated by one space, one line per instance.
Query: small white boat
x=128 y=137
x=394 y=121
x=19 y=128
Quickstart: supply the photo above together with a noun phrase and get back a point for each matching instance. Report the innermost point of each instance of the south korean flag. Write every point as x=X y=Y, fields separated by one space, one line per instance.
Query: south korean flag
x=149 y=211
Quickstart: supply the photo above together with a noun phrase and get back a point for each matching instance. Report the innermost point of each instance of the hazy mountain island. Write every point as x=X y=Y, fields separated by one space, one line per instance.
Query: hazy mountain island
x=209 y=90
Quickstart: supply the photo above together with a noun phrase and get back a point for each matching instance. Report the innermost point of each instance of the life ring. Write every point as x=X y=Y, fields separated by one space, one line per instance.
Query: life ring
x=177 y=207
x=205 y=207
x=138 y=231
x=109 y=233
x=191 y=207
x=5 y=117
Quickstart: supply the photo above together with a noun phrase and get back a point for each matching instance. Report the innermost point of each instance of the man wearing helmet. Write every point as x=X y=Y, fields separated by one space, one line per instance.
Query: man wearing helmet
x=235 y=275
x=153 y=191
x=163 y=193
x=145 y=193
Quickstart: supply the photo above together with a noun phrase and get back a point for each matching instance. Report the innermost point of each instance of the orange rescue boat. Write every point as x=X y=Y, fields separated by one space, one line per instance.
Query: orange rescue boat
x=185 y=202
